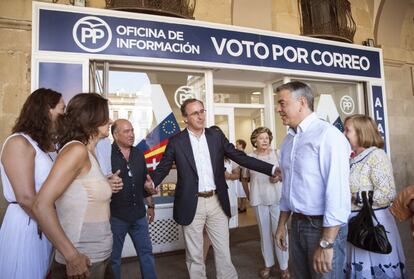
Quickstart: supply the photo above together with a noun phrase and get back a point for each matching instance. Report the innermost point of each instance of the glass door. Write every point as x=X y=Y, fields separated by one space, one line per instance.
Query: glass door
x=238 y=123
x=224 y=118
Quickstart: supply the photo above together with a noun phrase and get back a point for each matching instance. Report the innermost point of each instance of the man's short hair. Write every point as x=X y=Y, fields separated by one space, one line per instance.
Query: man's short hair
x=187 y=102
x=242 y=143
x=299 y=89
x=113 y=127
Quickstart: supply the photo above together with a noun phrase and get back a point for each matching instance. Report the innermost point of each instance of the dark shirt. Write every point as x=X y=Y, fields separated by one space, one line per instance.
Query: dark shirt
x=128 y=204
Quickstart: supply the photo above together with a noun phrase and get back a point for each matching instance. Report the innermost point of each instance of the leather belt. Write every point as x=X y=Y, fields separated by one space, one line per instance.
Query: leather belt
x=300 y=216
x=206 y=194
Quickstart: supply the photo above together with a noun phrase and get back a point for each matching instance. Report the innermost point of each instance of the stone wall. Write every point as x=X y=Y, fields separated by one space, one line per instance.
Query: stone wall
x=400 y=100
x=363 y=20
x=217 y=11
x=399 y=83
x=15 y=57
x=285 y=17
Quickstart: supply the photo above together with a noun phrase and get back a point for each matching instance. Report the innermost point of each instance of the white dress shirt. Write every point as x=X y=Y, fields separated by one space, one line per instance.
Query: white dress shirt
x=315 y=168
x=203 y=162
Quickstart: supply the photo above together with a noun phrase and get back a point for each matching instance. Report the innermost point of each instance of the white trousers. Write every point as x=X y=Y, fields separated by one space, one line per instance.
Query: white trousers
x=267 y=219
x=209 y=214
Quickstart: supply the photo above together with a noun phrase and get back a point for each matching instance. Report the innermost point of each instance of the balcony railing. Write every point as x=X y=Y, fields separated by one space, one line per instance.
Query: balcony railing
x=174 y=8
x=327 y=19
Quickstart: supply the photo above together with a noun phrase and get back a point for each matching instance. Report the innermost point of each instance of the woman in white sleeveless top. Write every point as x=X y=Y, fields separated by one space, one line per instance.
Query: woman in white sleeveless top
x=73 y=205
x=264 y=196
x=25 y=164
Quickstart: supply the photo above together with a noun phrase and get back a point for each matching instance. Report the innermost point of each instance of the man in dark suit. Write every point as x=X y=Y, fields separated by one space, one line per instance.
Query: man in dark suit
x=201 y=197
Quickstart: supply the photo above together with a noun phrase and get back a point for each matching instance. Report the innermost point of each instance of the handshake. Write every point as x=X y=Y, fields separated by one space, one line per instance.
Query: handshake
x=277 y=176
x=149 y=186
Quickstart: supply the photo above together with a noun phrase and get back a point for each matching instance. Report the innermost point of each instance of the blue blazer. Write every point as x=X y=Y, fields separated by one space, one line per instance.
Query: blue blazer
x=179 y=150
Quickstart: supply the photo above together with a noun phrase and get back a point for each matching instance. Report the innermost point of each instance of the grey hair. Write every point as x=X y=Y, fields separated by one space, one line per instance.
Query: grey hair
x=299 y=89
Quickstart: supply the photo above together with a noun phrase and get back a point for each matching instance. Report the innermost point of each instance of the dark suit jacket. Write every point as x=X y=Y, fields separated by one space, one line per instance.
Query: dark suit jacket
x=179 y=150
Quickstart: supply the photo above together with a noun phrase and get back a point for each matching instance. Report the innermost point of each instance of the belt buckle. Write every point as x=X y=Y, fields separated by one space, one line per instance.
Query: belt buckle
x=206 y=194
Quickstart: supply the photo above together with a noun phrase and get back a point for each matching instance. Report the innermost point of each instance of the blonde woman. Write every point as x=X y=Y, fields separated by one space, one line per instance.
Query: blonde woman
x=264 y=196
x=371 y=170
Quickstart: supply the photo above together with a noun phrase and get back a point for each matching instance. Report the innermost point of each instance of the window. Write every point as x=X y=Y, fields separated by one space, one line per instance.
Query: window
x=147 y=97
x=150 y=99
x=238 y=95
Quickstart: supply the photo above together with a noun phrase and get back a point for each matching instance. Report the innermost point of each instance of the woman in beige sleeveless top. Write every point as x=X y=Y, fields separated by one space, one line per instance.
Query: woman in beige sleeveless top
x=72 y=207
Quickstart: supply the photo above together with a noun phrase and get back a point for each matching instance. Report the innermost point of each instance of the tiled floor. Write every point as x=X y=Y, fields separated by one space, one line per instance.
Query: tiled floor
x=247 y=218
x=245 y=250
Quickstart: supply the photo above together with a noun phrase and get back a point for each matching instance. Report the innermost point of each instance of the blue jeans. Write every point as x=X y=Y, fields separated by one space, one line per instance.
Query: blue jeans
x=139 y=233
x=305 y=238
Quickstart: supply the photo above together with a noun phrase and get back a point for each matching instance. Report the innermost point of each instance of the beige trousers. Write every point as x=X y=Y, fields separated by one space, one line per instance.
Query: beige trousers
x=209 y=214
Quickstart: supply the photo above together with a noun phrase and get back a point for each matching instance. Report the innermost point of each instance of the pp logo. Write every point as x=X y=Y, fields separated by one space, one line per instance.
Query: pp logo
x=347 y=104
x=92 y=34
x=183 y=93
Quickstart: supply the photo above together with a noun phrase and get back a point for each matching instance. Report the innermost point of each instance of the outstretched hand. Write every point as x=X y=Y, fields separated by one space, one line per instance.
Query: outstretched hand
x=115 y=181
x=149 y=186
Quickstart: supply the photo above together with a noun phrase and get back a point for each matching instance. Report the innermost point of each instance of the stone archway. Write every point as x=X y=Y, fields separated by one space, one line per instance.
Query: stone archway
x=394 y=33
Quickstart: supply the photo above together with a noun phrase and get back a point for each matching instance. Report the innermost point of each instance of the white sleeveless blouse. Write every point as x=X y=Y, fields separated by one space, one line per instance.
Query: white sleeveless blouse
x=23 y=254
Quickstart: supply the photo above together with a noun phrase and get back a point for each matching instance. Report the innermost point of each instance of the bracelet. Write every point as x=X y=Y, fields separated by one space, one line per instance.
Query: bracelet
x=150 y=206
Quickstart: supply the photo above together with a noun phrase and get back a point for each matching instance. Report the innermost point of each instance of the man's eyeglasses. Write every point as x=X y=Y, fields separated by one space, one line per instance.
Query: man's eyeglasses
x=197 y=113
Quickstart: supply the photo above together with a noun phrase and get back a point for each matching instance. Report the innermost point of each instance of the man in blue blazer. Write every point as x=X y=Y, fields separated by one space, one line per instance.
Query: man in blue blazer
x=201 y=197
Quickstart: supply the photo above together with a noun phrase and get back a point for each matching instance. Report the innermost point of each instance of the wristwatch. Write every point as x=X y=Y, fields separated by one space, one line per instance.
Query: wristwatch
x=324 y=244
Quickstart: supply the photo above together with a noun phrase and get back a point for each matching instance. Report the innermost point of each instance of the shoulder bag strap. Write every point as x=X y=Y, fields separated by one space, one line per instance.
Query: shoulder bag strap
x=368 y=203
